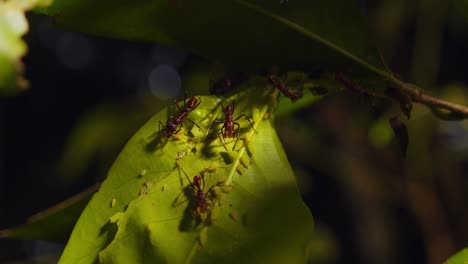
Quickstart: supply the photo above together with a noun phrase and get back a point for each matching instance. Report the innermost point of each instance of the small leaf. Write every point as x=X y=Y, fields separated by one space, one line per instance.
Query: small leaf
x=459 y=258
x=156 y=218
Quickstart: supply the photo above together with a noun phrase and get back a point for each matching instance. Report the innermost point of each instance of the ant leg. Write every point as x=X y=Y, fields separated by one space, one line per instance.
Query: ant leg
x=222 y=106
x=199 y=102
x=220 y=134
x=160 y=124
x=248 y=119
x=178 y=130
x=216 y=121
x=195 y=124
x=186 y=176
x=177 y=105
x=237 y=135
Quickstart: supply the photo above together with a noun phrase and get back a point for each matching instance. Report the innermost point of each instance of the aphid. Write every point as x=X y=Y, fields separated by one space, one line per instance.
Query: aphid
x=284 y=89
x=229 y=129
x=202 y=202
x=176 y=121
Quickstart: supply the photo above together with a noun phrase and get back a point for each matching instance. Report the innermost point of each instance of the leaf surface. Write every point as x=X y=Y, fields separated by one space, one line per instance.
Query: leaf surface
x=459 y=258
x=146 y=210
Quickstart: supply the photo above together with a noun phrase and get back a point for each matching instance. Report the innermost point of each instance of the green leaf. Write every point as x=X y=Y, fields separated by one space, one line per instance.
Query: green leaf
x=54 y=224
x=251 y=34
x=459 y=258
x=145 y=211
x=13 y=25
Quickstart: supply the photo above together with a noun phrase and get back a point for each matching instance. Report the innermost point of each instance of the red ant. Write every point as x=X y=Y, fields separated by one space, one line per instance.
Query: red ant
x=203 y=204
x=228 y=83
x=171 y=127
x=228 y=129
x=355 y=88
x=284 y=89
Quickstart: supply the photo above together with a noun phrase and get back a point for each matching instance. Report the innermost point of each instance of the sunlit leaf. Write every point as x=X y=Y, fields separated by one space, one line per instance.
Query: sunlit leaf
x=145 y=211
x=459 y=258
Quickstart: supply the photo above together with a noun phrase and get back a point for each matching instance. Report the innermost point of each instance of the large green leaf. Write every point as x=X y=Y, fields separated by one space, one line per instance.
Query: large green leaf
x=13 y=25
x=459 y=258
x=145 y=212
x=251 y=34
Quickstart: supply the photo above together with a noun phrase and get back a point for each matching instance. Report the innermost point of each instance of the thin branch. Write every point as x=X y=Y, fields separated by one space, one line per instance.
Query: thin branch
x=455 y=111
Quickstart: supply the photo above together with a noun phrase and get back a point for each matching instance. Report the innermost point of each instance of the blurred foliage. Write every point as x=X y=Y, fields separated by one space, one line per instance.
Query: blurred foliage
x=99 y=136
x=305 y=33
x=13 y=25
x=53 y=224
x=462 y=7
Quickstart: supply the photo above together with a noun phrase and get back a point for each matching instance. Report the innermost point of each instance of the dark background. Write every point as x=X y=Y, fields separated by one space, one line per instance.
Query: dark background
x=370 y=205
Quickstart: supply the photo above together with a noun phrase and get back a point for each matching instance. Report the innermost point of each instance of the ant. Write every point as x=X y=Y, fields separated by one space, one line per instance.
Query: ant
x=171 y=127
x=355 y=88
x=228 y=83
x=229 y=130
x=202 y=202
x=284 y=89
x=221 y=86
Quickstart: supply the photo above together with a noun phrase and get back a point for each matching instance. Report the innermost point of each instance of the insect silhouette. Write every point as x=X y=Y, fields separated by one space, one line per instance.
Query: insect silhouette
x=284 y=89
x=174 y=123
x=203 y=202
x=355 y=88
x=230 y=128
x=228 y=83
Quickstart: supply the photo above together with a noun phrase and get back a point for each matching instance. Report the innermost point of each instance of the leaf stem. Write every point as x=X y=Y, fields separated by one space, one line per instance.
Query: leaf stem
x=457 y=111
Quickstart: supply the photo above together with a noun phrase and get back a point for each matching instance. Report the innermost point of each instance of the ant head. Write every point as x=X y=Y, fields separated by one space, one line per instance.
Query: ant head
x=229 y=110
x=192 y=102
x=272 y=79
x=197 y=180
x=227 y=83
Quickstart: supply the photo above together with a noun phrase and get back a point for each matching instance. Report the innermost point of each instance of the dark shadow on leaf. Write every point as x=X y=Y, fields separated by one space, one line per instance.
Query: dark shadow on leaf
x=155 y=142
x=109 y=230
x=190 y=219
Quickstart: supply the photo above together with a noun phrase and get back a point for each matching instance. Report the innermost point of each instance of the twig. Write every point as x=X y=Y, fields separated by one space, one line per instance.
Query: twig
x=456 y=111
